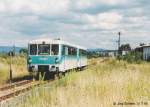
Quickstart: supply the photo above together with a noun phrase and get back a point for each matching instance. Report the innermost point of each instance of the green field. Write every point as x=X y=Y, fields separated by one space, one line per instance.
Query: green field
x=102 y=84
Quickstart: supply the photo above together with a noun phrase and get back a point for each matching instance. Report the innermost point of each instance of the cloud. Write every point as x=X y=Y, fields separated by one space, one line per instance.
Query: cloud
x=81 y=4
x=109 y=20
x=91 y=23
x=51 y=7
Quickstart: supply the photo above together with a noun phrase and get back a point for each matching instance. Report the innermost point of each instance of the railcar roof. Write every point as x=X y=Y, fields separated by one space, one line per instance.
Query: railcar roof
x=54 y=41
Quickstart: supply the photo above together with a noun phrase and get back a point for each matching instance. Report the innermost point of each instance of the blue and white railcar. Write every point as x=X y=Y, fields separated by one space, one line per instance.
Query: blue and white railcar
x=55 y=56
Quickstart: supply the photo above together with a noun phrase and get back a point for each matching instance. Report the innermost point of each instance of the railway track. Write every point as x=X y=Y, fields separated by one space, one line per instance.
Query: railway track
x=17 y=88
x=12 y=90
x=9 y=86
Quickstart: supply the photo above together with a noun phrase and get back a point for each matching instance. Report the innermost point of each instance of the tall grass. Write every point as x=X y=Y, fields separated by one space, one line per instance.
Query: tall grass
x=101 y=85
x=19 y=67
x=3 y=74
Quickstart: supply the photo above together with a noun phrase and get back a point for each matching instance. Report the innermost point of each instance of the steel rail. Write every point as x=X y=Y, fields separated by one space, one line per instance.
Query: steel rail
x=16 y=84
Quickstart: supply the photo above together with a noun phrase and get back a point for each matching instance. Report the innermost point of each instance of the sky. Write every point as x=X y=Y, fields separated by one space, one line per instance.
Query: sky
x=89 y=23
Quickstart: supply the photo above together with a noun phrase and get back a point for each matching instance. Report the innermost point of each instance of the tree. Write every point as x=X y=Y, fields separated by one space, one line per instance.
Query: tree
x=133 y=57
x=142 y=44
x=23 y=51
x=125 y=47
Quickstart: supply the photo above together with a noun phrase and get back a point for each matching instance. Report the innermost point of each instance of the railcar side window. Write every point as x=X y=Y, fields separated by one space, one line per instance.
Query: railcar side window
x=69 y=51
x=33 y=49
x=83 y=52
x=80 y=52
x=44 y=49
x=72 y=51
x=55 y=50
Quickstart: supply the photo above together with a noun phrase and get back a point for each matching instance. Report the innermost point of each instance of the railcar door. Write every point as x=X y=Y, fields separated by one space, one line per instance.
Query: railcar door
x=79 y=58
x=65 y=55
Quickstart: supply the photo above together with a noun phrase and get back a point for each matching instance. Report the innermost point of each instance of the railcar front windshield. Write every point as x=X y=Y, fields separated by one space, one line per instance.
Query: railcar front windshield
x=54 y=49
x=43 y=49
x=33 y=49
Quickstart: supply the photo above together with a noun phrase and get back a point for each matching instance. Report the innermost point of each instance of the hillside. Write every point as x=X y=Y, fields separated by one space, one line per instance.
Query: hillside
x=96 y=50
x=6 y=49
x=102 y=84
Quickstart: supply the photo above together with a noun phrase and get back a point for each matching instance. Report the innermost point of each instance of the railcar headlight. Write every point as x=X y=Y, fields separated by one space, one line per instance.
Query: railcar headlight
x=56 y=60
x=29 y=60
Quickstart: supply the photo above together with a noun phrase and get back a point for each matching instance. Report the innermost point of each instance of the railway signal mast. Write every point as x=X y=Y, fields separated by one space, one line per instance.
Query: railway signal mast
x=119 y=33
x=10 y=64
x=11 y=54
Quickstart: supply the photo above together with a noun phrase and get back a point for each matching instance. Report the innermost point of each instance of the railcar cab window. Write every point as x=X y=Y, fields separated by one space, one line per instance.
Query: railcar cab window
x=33 y=49
x=55 y=49
x=44 y=49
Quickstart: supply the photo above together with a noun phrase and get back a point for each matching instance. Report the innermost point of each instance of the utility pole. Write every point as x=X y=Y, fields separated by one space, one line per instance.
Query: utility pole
x=119 y=33
x=14 y=50
x=10 y=71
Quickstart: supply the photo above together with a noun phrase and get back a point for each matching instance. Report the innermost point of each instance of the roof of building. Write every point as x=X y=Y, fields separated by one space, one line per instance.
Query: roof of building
x=144 y=46
x=54 y=41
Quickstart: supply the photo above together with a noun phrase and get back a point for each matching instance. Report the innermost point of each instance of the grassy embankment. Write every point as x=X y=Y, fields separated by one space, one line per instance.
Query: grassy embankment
x=19 y=68
x=102 y=84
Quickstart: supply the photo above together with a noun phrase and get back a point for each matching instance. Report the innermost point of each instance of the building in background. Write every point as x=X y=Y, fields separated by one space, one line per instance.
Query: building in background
x=145 y=50
x=112 y=53
x=124 y=49
x=102 y=53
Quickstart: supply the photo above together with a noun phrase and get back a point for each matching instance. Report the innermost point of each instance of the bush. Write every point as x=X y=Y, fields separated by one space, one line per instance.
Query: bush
x=23 y=51
x=132 y=57
x=3 y=55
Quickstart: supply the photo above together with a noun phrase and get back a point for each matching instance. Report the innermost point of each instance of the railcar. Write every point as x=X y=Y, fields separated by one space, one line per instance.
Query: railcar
x=50 y=55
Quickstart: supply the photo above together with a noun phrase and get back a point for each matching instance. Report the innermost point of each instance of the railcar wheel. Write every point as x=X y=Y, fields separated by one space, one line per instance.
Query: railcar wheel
x=63 y=73
x=57 y=73
x=34 y=75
